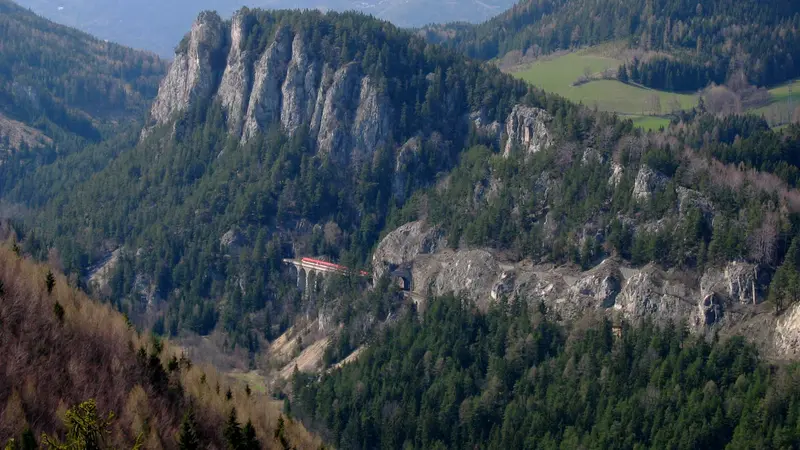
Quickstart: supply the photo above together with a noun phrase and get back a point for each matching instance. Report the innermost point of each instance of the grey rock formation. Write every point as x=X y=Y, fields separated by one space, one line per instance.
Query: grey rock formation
x=298 y=91
x=648 y=182
x=737 y=281
x=404 y=245
x=787 y=333
x=346 y=113
x=232 y=241
x=721 y=300
x=406 y=156
x=191 y=75
x=616 y=174
x=526 y=128
x=265 y=101
x=234 y=89
x=371 y=123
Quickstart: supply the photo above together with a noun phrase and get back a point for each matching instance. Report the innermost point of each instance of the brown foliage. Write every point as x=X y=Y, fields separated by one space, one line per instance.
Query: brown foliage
x=46 y=367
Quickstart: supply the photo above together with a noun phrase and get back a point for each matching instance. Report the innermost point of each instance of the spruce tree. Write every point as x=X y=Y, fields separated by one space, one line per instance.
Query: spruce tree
x=233 y=432
x=188 y=439
x=50 y=282
x=249 y=440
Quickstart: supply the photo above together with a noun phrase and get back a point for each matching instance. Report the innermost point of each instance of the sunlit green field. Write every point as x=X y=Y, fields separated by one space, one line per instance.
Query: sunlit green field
x=559 y=73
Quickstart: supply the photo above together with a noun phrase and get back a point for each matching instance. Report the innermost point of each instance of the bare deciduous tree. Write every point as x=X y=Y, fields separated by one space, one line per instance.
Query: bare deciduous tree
x=762 y=242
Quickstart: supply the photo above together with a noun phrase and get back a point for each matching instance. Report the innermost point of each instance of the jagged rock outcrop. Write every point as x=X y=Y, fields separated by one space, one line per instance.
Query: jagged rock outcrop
x=264 y=107
x=232 y=241
x=192 y=74
x=526 y=128
x=347 y=115
x=299 y=88
x=723 y=299
x=648 y=183
x=787 y=333
x=234 y=89
x=404 y=245
x=737 y=281
x=616 y=174
x=406 y=156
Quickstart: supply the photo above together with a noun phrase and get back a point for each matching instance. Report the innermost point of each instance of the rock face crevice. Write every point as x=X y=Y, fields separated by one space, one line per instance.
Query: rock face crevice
x=287 y=84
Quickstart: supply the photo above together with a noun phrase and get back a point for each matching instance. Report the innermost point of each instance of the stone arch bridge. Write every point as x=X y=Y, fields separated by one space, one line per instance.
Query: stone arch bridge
x=310 y=271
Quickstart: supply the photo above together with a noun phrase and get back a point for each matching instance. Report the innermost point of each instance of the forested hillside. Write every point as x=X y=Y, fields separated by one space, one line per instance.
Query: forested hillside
x=452 y=377
x=694 y=43
x=62 y=90
x=65 y=353
x=235 y=176
x=186 y=186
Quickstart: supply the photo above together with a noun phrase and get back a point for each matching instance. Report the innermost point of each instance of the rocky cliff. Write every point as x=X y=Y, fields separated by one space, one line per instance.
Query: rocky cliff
x=192 y=75
x=727 y=299
x=527 y=130
x=285 y=84
x=267 y=74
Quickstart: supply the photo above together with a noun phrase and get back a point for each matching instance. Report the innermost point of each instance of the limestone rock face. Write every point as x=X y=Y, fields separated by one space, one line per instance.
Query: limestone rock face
x=406 y=156
x=648 y=294
x=787 y=333
x=234 y=89
x=689 y=199
x=737 y=281
x=484 y=127
x=192 y=74
x=616 y=174
x=526 y=128
x=265 y=101
x=724 y=299
x=299 y=89
x=648 y=182
x=404 y=244
x=286 y=84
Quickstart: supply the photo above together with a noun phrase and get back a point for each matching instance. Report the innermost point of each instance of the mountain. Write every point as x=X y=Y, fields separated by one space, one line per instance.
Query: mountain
x=62 y=90
x=281 y=134
x=681 y=46
x=157 y=26
x=65 y=353
x=502 y=266
x=321 y=130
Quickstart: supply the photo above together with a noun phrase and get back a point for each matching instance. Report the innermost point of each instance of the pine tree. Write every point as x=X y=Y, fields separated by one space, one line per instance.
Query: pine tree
x=280 y=433
x=622 y=74
x=233 y=432
x=50 y=282
x=250 y=440
x=188 y=439
x=58 y=310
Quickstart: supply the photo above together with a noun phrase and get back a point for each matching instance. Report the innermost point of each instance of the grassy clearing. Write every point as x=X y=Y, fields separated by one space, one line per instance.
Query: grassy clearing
x=780 y=109
x=253 y=379
x=558 y=73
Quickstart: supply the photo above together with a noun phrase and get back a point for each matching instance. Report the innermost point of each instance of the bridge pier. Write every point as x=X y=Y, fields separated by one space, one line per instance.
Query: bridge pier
x=311 y=273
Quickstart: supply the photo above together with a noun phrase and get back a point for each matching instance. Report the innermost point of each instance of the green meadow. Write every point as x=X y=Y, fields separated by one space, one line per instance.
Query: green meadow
x=558 y=74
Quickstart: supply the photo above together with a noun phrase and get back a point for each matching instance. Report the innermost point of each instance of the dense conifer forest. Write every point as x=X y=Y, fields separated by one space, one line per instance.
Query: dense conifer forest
x=696 y=43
